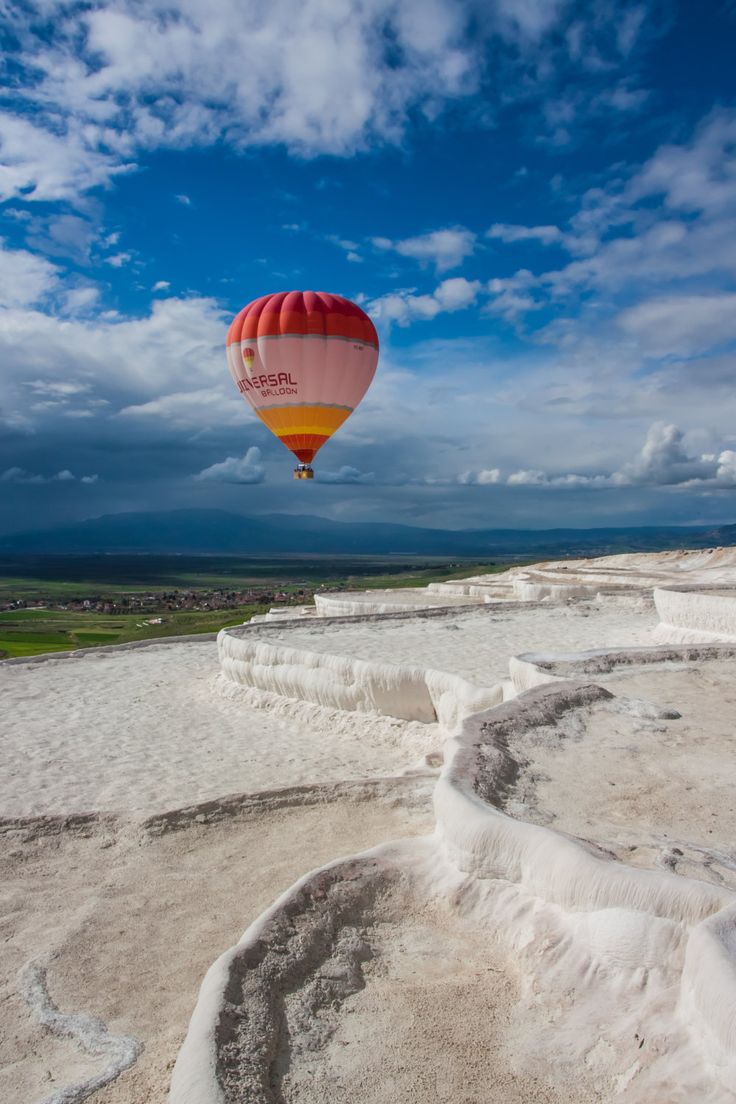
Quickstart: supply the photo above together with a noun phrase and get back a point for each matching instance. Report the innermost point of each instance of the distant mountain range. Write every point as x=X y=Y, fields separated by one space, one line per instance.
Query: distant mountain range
x=219 y=532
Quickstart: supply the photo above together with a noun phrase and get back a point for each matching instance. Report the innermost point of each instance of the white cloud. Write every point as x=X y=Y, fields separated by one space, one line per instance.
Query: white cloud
x=80 y=299
x=484 y=477
x=19 y=475
x=526 y=478
x=511 y=233
x=456 y=293
x=184 y=200
x=726 y=470
x=511 y=296
x=118 y=259
x=39 y=162
x=699 y=175
x=25 y=278
x=445 y=249
x=682 y=324
x=345 y=474
x=117 y=364
x=243 y=469
x=161 y=285
x=63 y=235
x=664 y=461
x=661 y=237
x=119 y=78
x=315 y=76
x=193 y=409
x=57 y=388
x=405 y=306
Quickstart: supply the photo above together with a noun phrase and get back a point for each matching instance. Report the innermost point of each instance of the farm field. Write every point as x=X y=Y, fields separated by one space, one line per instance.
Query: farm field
x=28 y=632
x=53 y=581
x=66 y=577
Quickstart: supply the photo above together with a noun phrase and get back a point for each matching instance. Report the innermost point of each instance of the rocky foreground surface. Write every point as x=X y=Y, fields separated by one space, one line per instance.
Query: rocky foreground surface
x=521 y=787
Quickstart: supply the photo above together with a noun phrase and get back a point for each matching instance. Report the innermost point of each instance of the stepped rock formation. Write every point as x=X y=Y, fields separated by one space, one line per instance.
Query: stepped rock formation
x=541 y=767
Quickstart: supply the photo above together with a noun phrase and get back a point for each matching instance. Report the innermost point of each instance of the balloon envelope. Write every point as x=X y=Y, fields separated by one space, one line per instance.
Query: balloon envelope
x=303 y=360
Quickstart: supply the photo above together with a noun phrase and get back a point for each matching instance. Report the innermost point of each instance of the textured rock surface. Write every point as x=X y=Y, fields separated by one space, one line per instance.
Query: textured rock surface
x=563 y=930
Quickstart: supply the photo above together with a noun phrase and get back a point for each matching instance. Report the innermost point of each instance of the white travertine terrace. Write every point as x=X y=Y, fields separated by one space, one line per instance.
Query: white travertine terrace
x=565 y=935
x=143 y=729
x=645 y=953
x=556 y=580
x=425 y=666
x=695 y=615
x=611 y=938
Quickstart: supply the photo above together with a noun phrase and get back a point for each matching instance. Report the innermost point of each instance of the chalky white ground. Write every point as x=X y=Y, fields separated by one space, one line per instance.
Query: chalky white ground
x=477 y=644
x=154 y=728
x=650 y=774
x=143 y=730
x=151 y=729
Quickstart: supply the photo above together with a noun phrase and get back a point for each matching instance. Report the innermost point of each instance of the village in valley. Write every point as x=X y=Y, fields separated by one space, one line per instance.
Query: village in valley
x=164 y=601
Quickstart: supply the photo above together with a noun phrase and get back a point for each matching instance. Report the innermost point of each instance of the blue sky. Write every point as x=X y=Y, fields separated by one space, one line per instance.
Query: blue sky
x=534 y=199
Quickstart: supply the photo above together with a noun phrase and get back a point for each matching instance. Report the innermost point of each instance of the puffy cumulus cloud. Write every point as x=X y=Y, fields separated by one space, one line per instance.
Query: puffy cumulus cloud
x=55 y=157
x=511 y=297
x=98 y=85
x=664 y=461
x=25 y=278
x=483 y=478
x=20 y=475
x=726 y=470
x=445 y=249
x=124 y=360
x=456 y=293
x=405 y=305
x=319 y=77
x=533 y=477
x=345 y=474
x=153 y=390
x=235 y=469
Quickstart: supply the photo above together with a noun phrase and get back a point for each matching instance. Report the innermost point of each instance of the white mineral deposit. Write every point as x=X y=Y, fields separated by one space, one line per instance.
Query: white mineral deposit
x=479 y=839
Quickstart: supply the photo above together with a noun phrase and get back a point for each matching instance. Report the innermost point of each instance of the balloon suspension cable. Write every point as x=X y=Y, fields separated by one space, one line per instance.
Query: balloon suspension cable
x=303 y=471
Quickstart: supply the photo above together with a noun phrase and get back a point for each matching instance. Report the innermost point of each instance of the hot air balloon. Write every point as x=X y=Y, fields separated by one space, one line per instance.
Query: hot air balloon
x=303 y=360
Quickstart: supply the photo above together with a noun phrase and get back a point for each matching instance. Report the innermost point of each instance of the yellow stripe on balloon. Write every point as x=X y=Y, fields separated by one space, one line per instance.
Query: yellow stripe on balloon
x=322 y=431
x=304 y=419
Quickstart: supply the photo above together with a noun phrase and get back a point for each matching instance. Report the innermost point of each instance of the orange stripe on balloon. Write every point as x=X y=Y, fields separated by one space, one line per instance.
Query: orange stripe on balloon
x=303 y=418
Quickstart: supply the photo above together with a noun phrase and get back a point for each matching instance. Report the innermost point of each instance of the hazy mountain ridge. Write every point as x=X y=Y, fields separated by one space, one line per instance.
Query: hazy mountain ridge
x=217 y=531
